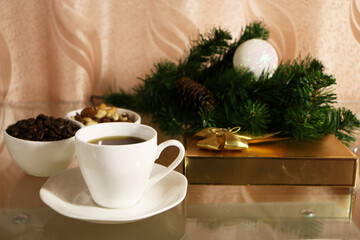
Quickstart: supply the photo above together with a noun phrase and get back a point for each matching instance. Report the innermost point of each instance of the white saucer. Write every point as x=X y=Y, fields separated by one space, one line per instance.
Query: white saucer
x=67 y=193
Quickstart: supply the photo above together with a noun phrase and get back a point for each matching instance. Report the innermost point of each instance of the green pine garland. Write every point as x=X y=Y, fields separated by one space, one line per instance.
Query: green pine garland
x=296 y=100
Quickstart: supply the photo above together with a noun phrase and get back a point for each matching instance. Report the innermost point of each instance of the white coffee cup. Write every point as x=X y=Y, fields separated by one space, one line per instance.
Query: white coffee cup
x=118 y=175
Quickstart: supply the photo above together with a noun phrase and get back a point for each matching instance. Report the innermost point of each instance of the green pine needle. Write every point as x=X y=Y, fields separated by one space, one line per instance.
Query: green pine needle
x=297 y=99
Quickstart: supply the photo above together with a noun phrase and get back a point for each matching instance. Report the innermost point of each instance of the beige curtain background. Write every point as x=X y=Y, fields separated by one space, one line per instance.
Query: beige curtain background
x=66 y=50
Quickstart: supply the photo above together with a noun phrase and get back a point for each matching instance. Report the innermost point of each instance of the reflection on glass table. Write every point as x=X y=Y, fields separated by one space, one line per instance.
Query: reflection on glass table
x=44 y=223
x=270 y=220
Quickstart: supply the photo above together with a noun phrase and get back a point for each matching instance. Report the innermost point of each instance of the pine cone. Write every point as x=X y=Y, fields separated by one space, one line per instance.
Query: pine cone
x=195 y=95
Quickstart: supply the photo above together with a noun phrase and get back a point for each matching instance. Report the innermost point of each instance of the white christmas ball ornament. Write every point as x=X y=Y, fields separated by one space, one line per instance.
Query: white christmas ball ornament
x=256 y=54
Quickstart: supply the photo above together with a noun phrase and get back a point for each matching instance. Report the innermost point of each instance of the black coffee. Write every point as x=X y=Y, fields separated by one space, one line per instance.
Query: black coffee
x=117 y=140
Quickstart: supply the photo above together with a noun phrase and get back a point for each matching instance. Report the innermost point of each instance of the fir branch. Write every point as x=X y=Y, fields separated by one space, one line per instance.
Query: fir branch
x=346 y=124
x=296 y=100
x=150 y=95
x=230 y=86
x=257 y=118
x=203 y=120
x=204 y=51
x=256 y=29
x=168 y=121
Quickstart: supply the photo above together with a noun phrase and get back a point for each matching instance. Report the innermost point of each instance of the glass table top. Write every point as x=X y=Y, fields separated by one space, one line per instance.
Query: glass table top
x=207 y=212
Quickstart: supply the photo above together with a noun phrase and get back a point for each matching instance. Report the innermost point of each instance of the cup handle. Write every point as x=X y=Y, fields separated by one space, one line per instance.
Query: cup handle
x=172 y=166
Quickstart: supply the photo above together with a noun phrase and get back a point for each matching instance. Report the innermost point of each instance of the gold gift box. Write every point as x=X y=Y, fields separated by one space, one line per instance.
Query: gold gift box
x=324 y=162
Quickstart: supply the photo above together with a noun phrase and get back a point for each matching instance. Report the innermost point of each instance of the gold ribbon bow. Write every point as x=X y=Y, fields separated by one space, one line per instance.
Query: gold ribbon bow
x=227 y=139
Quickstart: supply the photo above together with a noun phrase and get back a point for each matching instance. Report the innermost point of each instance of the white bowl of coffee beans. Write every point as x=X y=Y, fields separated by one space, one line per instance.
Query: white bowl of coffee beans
x=43 y=145
x=102 y=114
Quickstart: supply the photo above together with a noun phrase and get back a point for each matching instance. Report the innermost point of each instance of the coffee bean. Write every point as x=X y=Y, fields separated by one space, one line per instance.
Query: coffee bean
x=39 y=124
x=15 y=132
x=31 y=130
x=41 y=135
x=43 y=128
x=30 y=121
x=47 y=122
x=28 y=135
x=62 y=121
x=22 y=124
x=41 y=117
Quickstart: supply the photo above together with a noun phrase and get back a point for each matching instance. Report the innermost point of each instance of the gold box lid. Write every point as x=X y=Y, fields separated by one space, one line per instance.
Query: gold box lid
x=327 y=147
